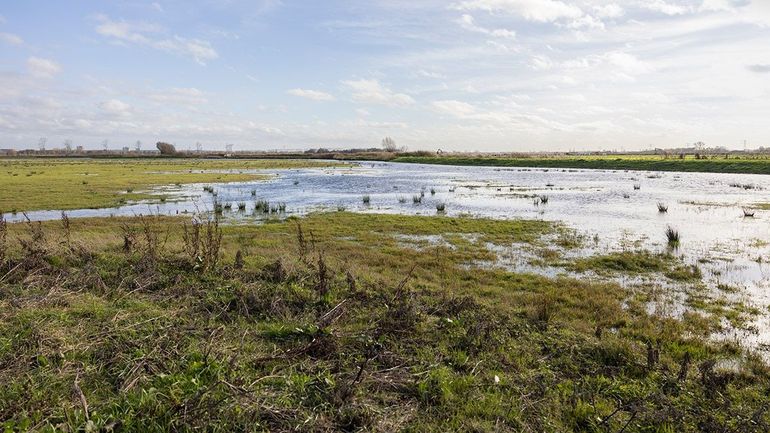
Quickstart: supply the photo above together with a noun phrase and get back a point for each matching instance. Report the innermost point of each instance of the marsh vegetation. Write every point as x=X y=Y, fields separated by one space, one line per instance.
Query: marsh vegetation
x=160 y=326
x=329 y=321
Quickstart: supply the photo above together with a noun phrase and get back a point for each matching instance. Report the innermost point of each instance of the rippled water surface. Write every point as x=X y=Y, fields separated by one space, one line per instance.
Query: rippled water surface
x=706 y=208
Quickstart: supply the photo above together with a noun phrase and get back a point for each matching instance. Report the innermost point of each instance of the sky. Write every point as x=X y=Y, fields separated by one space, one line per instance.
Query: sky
x=456 y=75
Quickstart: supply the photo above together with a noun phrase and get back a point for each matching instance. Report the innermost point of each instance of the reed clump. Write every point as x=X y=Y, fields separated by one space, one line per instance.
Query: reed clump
x=672 y=236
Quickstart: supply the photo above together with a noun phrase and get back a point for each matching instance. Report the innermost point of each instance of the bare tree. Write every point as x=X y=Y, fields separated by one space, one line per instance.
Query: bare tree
x=389 y=144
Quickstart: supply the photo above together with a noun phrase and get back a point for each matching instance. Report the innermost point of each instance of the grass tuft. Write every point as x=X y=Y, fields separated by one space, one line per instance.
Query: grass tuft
x=672 y=236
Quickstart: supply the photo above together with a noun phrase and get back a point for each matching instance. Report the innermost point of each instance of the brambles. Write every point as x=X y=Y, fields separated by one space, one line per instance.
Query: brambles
x=440 y=207
x=417 y=199
x=637 y=186
x=748 y=212
x=662 y=208
x=366 y=199
x=543 y=199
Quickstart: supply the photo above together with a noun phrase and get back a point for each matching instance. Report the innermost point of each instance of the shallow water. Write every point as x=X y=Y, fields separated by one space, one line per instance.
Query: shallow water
x=706 y=208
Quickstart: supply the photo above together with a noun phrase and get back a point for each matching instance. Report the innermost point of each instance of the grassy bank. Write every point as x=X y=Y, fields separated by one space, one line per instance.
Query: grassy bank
x=330 y=323
x=39 y=184
x=717 y=164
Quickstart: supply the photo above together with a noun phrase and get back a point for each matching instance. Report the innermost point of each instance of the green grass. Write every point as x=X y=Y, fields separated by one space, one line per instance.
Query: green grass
x=759 y=164
x=342 y=329
x=40 y=184
x=635 y=263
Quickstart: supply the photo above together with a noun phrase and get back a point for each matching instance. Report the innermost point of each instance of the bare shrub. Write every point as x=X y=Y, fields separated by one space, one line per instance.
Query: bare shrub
x=202 y=242
x=238 y=260
x=211 y=245
x=3 y=239
x=322 y=285
x=65 y=223
x=129 y=237
x=301 y=242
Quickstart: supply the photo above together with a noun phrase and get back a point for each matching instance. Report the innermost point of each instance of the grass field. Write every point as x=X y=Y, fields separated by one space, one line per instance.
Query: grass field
x=331 y=323
x=759 y=164
x=40 y=184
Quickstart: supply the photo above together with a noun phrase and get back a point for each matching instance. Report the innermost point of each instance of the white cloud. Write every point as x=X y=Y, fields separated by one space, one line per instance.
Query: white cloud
x=430 y=74
x=664 y=7
x=717 y=5
x=314 y=95
x=115 y=107
x=585 y=22
x=760 y=69
x=532 y=10
x=144 y=34
x=180 y=95
x=540 y=63
x=627 y=63
x=42 y=68
x=467 y=22
x=371 y=91
x=612 y=10
x=11 y=39
x=455 y=108
x=157 y=6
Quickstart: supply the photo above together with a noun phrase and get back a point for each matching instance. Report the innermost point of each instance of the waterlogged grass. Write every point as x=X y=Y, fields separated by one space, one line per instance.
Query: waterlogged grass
x=40 y=184
x=759 y=164
x=326 y=323
x=635 y=263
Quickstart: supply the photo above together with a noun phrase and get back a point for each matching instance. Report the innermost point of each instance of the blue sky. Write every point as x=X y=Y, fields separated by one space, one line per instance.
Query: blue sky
x=486 y=75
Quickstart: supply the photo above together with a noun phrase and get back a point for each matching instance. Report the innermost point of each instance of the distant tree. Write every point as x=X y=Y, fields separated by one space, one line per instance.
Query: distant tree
x=166 y=148
x=389 y=144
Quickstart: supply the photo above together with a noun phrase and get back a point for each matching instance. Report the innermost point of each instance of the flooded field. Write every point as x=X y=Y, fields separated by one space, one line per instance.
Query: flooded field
x=609 y=211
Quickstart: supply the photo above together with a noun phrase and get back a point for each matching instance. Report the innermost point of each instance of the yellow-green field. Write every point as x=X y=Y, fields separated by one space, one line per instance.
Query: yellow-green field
x=43 y=184
x=748 y=164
